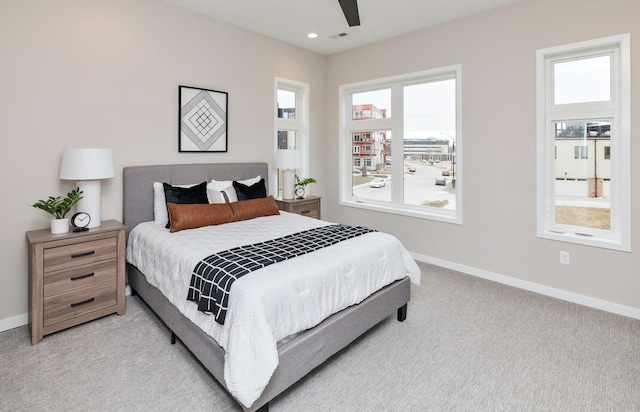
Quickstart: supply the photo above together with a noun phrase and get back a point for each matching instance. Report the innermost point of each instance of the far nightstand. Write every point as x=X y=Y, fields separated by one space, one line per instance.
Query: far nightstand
x=309 y=206
x=75 y=277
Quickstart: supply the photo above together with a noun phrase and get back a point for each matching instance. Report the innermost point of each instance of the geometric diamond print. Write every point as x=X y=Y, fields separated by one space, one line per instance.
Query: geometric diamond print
x=202 y=120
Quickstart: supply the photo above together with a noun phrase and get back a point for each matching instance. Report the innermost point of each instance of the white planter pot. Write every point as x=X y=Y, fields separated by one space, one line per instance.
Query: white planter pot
x=59 y=226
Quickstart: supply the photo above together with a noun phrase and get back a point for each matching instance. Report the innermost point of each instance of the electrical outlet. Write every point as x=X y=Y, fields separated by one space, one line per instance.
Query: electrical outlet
x=565 y=258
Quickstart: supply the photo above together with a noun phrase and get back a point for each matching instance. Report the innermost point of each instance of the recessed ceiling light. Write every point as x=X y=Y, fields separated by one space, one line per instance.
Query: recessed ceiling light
x=312 y=35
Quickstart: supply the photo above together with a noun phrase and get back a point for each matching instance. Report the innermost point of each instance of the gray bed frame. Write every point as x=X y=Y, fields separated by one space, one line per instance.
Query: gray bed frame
x=298 y=356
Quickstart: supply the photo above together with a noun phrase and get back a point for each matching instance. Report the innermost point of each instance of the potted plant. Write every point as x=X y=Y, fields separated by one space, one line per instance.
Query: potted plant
x=300 y=186
x=58 y=207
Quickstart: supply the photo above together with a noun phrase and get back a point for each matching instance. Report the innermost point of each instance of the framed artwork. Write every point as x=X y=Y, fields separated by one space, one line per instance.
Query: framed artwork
x=202 y=120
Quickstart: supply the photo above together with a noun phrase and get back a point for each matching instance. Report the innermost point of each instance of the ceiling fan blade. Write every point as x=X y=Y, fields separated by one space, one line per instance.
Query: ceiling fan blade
x=350 y=10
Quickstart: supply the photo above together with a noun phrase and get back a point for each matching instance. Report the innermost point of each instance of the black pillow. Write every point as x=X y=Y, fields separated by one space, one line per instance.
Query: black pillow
x=255 y=191
x=185 y=195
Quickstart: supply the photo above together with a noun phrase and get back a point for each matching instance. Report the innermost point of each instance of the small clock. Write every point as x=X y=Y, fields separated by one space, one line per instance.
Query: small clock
x=300 y=192
x=80 y=221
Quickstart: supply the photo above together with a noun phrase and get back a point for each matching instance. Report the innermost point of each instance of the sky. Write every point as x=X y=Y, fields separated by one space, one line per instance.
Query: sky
x=429 y=108
x=584 y=80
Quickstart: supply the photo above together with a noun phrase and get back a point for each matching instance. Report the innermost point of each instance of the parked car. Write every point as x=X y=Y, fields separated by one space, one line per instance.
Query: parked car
x=445 y=173
x=355 y=172
x=377 y=182
x=441 y=181
x=412 y=169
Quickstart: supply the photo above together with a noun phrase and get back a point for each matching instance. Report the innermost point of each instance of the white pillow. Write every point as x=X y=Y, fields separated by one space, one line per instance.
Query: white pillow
x=226 y=195
x=223 y=184
x=160 y=214
x=222 y=191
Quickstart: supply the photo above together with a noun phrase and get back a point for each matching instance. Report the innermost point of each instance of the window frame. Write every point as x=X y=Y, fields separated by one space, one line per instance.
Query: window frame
x=617 y=109
x=394 y=126
x=300 y=125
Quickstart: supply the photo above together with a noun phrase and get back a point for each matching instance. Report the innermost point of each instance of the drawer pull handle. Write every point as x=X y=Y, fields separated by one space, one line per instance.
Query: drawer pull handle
x=77 y=255
x=305 y=211
x=82 y=276
x=84 y=302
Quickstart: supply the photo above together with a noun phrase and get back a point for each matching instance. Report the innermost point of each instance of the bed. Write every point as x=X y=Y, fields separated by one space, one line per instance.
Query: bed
x=296 y=355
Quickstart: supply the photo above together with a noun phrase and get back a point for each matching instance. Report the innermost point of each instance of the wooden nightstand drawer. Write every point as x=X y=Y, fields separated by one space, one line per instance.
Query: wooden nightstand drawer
x=63 y=257
x=309 y=206
x=309 y=209
x=64 y=306
x=78 y=277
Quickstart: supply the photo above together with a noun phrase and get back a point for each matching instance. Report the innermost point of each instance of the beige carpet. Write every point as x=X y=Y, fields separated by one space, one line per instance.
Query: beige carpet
x=467 y=345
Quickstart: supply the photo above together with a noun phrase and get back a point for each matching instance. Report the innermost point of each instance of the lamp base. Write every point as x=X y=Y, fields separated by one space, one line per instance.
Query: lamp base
x=288 y=183
x=90 y=202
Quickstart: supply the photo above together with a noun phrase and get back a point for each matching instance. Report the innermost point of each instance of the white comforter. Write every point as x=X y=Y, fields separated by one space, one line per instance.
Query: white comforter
x=274 y=302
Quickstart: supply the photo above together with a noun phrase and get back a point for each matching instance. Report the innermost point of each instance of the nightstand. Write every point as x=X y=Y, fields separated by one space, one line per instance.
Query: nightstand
x=309 y=206
x=75 y=277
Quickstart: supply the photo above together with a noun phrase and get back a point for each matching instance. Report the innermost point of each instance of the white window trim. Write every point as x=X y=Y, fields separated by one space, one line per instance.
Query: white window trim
x=300 y=124
x=395 y=123
x=617 y=109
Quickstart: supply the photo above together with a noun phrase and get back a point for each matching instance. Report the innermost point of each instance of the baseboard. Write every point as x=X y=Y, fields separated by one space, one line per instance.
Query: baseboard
x=14 y=322
x=591 y=302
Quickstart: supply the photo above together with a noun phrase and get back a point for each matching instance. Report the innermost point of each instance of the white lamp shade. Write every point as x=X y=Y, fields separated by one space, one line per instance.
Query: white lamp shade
x=87 y=167
x=86 y=164
x=288 y=159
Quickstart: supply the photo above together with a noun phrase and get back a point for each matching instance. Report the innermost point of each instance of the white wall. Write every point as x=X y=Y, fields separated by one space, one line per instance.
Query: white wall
x=497 y=51
x=105 y=73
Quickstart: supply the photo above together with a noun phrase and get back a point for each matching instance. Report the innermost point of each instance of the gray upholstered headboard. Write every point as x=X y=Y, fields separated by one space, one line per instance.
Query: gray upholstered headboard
x=138 y=183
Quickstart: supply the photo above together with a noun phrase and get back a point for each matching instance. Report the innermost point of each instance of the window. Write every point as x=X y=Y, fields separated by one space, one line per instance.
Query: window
x=583 y=124
x=422 y=164
x=580 y=152
x=291 y=124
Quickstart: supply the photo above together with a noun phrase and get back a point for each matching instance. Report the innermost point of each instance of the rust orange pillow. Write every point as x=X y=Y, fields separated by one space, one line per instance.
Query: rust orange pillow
x=248 y=209
x=191 y=216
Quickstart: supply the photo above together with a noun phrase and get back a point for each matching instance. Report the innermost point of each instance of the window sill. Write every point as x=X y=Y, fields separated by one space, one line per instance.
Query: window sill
x=594 y=241
x=447 y=216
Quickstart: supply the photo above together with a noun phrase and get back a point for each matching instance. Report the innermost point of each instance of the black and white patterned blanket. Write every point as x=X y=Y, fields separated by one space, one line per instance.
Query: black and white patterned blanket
x=213 y=276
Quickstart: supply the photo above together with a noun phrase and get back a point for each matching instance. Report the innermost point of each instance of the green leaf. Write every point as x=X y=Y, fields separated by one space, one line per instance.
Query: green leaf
x=57 y=206
x=304 y=182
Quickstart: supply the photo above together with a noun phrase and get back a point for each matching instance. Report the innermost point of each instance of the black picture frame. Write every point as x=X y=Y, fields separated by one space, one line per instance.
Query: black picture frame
x=202 y=120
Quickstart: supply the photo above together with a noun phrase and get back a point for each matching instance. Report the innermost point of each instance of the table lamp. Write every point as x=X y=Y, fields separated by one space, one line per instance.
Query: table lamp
x=288 y=160
x=87 y=166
